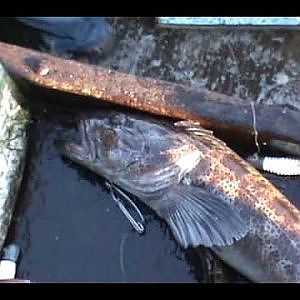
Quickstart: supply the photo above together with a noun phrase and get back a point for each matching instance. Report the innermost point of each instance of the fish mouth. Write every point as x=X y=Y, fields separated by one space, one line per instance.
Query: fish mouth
x=71 y=150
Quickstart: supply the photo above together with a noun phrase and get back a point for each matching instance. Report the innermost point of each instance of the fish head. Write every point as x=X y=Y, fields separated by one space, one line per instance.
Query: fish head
x=110 y=144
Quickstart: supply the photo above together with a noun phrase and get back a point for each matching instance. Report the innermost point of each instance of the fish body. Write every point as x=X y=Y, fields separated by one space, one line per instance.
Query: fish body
x=206 y=193
x=270 y=251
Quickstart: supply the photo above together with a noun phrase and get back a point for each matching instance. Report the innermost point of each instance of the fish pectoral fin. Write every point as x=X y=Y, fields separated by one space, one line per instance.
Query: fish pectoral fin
x=197 y=217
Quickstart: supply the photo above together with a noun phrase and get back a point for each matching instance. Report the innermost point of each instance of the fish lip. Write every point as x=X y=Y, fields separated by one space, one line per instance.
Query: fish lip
x=70 y=150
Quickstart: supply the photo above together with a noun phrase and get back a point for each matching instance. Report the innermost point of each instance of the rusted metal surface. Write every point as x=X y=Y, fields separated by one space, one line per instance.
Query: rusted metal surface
x=214 y=110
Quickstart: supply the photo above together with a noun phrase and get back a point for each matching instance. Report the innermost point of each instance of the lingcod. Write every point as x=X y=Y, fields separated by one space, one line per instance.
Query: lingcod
x=206 y=193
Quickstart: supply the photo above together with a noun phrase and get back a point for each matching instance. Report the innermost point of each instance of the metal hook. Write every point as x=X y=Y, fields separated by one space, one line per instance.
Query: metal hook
x=138 y=226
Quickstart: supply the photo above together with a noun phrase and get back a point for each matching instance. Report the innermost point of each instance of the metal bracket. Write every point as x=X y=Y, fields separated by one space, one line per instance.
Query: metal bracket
x=225 y=22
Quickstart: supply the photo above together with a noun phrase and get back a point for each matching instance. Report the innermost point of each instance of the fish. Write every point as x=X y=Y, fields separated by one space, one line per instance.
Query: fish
x=206 y=193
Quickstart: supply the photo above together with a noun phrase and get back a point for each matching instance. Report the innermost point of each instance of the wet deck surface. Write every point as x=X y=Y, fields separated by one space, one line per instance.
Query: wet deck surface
x=68 y=227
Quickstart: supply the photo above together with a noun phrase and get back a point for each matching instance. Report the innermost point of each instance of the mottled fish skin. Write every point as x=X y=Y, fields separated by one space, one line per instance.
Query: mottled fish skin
x=270 y=252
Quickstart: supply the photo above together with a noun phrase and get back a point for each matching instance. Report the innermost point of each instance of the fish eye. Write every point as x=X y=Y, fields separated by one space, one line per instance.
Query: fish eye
x=109 y=138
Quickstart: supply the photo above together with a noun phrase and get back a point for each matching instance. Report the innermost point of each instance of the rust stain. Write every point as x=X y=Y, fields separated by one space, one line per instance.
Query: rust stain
x=73 y=77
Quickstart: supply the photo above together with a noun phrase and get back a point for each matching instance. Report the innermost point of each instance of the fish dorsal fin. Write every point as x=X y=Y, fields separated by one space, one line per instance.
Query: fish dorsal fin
x=195 y=130
x=198 y=217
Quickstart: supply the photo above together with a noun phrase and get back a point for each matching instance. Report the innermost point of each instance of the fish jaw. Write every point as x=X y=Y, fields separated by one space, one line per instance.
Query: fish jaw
x=73 y=151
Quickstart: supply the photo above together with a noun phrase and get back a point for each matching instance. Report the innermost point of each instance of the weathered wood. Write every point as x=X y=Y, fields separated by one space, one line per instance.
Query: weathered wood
x=13 y=123
x=215 y=111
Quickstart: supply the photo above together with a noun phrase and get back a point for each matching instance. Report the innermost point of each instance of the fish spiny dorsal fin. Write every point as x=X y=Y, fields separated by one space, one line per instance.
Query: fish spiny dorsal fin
x=195 y=130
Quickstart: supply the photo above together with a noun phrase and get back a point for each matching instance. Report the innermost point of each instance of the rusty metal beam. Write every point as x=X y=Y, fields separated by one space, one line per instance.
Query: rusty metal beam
x=215 y=111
